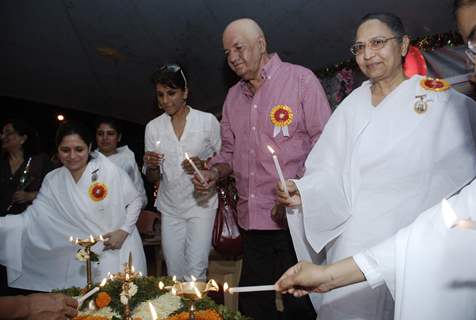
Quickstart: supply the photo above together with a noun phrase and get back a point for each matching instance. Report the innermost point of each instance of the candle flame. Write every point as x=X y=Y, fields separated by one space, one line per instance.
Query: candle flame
x=76 y=241
x=161 y=285
x=174 y=278
x=91 y=238
x=103 y=282
x=71 y=239
x=153 y=313
x=197 y=292
x=193 y=278
x=101 y=237
x=140 y=274
x=127 y=277
x=133 y=269
x=270 y=149
x=214 y=284
x=173 y=291
x=449 y=215
x=111 y=277
x=186 y=156
x=157 y=143
x=91 y=305
x=225 y=287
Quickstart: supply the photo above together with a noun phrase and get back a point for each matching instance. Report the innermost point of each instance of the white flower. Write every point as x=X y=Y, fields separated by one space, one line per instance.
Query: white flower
x=124 y=299
x=164 y=306
x=132 y=289
x=81 y=255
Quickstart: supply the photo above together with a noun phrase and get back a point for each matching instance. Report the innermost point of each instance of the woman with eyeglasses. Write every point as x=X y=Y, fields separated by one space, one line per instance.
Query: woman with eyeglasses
x=108 y=136
x=393 y=148
x=187 y=216
x=87 y=196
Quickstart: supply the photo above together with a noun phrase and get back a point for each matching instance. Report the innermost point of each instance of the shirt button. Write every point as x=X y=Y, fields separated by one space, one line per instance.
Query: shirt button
x=255 y=106
x=252 y=195
x=253 y=128
x=252 y=173
x=252 y=151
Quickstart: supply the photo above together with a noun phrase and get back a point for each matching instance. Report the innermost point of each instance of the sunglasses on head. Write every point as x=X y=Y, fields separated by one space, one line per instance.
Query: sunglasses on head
x=174 y=68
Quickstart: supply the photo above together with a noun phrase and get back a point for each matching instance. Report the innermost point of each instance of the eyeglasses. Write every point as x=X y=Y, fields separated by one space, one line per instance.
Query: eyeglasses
x=471 y=51
x=174 y=68
x=375 y=44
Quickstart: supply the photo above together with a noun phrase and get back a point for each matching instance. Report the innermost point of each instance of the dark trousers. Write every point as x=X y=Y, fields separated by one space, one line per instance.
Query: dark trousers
x=267 y=254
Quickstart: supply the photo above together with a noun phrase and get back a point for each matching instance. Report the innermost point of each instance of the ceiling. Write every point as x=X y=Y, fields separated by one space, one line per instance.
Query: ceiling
x=98 y=55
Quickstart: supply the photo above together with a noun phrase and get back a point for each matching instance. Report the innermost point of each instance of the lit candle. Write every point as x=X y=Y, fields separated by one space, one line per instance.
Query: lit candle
x=225 y=287
x=214 y=284
x=193 y=278
x=278 y=169
x=195 y=168
x=91 y=238
x=71 y=239
x=197 y=292
x=251 y=289
x=161 y=285
x=157 y=144
x=153 y=313
x=174 y=278
x=91 y=292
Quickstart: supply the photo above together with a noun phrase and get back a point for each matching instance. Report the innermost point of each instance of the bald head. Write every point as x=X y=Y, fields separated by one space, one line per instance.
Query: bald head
x=245 y=48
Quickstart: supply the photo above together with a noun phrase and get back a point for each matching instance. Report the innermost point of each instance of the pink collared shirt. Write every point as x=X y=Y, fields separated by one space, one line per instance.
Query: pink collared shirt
x=246 y=130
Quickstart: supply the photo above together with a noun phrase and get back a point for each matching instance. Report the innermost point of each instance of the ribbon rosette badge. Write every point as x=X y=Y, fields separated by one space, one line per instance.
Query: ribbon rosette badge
x=437 y=85
x=97 y=191
x=281 y=117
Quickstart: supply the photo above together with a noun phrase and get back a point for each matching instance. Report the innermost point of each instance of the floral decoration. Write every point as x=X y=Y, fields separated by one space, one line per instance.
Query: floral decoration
x=97 y=191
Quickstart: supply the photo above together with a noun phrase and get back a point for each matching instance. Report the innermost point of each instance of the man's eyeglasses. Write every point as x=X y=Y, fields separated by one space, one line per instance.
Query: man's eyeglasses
x=471 y=51
x=374 y=44
x=174 y=68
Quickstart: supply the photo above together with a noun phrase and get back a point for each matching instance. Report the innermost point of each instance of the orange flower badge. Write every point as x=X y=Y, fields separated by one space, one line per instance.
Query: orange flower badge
x=97 y=191
x=437 y=85
x=281 y=117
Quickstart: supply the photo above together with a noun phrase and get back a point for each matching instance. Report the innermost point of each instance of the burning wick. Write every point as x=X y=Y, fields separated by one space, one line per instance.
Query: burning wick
x=225 y=287
x=161 y=285
x=278 y=169
x=193 y=278
x=196 y=169
x=174 y=279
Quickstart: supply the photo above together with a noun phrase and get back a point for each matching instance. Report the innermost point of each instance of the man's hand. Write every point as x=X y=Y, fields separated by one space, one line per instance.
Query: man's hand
x=187 y=167
x=290 y=199
x=303 y=278
x=51 y=306
x=114 y=240
x=278 y=215
x=211 y=178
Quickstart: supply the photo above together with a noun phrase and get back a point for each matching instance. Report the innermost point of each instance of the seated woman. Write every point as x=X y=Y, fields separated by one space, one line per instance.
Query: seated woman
x=108 y=136
x=22 y=167
x=87 y=196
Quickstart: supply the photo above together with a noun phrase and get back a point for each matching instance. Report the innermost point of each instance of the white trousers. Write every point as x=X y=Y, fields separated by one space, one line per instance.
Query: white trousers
x=186 y=243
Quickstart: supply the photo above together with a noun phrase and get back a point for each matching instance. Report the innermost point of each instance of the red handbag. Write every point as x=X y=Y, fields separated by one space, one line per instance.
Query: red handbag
x=226 y=238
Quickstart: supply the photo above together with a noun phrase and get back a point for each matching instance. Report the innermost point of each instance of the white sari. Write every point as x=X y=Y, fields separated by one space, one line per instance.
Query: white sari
x=373 y=170
x=35 y=245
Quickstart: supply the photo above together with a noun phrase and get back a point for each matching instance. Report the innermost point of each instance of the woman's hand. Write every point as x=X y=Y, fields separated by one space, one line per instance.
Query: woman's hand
x=153 y=159
x=23 y=196
x=303 y=278
x=114 y=240
x=290 y=199
x=187 y=167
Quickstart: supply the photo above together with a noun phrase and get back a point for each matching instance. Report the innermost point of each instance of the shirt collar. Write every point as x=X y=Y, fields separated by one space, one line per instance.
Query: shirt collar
x=267 y=72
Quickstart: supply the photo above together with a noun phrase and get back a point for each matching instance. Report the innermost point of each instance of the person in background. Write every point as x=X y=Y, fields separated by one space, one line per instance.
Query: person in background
x=39 y=306
x=465 y=13
x=22 y=169
x=277 y=104
x=108 y=136
x=87 y=196
x=392 y=149
x=187 y=217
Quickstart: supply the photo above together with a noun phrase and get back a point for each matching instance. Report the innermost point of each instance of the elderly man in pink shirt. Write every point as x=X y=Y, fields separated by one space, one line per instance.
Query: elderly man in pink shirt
x=277 y=104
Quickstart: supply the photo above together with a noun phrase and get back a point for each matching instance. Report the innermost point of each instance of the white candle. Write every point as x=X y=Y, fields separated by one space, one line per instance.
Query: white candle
x=278 y=169
x=157 y=144
x=195 y=168
x=153 y=313
x=251 y=289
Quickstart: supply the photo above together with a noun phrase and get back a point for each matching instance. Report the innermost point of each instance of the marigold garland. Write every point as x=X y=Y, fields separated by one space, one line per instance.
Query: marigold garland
x=103 y=299
x=208 y=314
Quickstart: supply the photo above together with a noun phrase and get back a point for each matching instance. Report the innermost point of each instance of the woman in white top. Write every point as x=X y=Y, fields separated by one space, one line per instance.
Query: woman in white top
x=187 y=217
x=108 y=136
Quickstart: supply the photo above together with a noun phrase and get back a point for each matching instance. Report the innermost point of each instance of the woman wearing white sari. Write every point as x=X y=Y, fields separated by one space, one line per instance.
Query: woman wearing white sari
x=392 y=149
x=108 y=136
x=87 y=196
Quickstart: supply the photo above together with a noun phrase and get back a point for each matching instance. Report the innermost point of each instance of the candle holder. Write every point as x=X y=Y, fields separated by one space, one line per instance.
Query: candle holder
x=87 y=244
x=191 y=292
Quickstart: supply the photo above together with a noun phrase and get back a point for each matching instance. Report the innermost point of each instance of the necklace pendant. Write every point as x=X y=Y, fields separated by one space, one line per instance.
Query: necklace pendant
x=421 y=105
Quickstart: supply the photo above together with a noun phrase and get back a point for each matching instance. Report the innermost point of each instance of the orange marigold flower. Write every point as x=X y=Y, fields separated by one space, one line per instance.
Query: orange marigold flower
x=208 y=314
x=103 y=300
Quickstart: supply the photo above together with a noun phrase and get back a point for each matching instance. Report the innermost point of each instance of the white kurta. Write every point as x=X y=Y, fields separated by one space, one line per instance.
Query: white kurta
x=200 y=137
x=373 y=170
x=429 y=268
x=35 y=245
x=125 y=159
x=187 y=217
